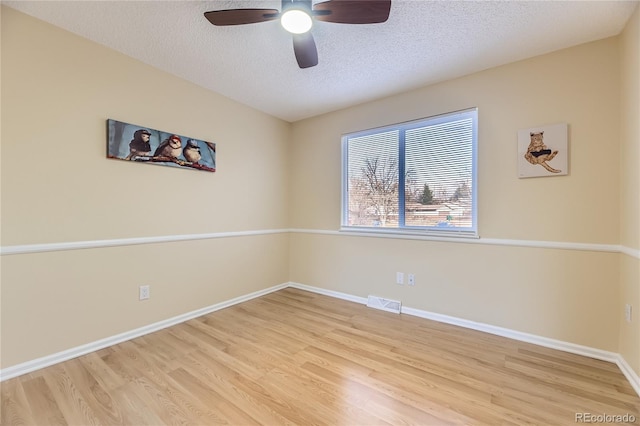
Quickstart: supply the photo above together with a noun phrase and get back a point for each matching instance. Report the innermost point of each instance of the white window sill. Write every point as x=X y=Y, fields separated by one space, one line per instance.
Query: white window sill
x=418 y=234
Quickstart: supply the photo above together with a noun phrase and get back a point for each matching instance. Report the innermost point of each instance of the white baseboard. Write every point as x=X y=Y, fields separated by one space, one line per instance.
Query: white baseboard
x=632 y=376
x=336 y=294
x=46 y=361
x=616 y=358
x=36 y=364
x=515 y=335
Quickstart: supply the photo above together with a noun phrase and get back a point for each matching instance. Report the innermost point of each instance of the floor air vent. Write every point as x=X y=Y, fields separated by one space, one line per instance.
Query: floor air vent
x=384 y=304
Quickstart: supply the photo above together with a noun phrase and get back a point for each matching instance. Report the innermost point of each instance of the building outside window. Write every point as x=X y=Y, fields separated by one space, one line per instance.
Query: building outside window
x=414 y=177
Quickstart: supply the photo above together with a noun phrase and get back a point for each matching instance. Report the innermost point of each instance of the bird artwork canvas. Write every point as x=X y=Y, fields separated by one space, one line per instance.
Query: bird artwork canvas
x=142 y=144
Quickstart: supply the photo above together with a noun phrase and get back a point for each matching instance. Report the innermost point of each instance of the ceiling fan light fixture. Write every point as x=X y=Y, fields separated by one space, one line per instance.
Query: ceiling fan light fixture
x=296 y=21
x=297 y=16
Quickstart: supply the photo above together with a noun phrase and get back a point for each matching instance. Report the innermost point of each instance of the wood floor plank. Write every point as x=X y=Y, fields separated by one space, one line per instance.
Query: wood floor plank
x=264 y=397
x=591 y=379
x=222 y=379
x=42 y=403
x=69 y=399
x=177 y=402
x=392 y=410
x=280 y=322
x=354 y=369
x=97 y=397
x=298 y=358
x=225 y=412
x=241 y=367
x=101 y=372
x=15 y=408
x=140 y=410
x=161 y=386
x=327 y=403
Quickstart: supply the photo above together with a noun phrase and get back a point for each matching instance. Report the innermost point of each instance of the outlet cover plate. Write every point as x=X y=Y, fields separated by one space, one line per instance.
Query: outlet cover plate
x=144 y=292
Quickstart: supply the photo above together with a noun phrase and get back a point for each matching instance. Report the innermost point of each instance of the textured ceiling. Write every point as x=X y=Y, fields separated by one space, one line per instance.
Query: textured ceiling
x=423 y=42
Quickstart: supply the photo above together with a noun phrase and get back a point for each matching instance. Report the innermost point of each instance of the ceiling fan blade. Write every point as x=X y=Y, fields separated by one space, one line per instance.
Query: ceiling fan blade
x=305 y=50
x=241 y=16
x=353 y=11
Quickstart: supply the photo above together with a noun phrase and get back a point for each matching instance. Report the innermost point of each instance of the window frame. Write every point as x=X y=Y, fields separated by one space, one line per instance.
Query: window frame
x=469 y=232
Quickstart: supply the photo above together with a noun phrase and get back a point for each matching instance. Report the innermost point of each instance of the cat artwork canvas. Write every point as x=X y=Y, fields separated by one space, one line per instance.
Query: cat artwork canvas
x=543 y=151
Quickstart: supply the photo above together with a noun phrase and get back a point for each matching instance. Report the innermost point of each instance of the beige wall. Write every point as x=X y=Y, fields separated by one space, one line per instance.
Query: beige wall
x=570 y=297
x=60 y=300
x=630 y=188
x=563 y=294
x=58 y=90
x=57 y=186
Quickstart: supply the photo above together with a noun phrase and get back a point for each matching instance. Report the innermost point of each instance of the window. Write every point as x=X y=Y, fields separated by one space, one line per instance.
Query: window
x=411 y=177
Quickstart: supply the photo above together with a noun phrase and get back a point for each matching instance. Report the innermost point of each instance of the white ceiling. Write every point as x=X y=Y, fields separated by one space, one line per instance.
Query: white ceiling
x=423 y=42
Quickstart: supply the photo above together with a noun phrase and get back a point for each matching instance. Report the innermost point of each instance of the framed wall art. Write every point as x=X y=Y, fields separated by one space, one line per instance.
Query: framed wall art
x=140 y=144
x=543 y=151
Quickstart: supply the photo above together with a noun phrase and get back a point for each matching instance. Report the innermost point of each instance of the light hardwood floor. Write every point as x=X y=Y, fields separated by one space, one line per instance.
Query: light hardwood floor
x=294 y=357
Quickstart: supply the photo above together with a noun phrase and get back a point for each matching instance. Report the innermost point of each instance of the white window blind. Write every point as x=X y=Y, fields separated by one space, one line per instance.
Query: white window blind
x=418 y=176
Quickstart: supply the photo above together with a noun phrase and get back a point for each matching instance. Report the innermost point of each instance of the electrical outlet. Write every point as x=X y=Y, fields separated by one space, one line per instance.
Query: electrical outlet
x=627 y=312
x=411 y=279
x=400 y=278
x=144 y=292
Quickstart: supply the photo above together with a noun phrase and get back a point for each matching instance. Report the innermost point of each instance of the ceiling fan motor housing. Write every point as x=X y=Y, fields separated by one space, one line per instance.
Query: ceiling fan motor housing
x=304 y=5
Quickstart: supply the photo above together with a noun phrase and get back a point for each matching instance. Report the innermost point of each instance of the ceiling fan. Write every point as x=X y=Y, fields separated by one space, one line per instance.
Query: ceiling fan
x=297 y=17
